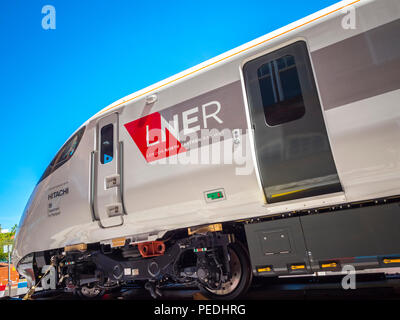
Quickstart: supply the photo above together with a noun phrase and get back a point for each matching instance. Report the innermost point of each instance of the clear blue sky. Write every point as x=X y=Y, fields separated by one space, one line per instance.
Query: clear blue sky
x=101 y=50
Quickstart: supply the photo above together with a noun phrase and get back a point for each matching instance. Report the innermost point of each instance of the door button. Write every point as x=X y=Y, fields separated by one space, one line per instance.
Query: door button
x=236 y=136
x=112 y=181
x=114 y=210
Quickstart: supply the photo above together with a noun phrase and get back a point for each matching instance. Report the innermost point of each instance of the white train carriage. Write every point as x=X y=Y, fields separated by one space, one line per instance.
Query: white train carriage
x=279 y=157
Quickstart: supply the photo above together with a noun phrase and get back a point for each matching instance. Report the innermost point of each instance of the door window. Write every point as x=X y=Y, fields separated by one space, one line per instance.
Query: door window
x=280 y=89
x=107 y=144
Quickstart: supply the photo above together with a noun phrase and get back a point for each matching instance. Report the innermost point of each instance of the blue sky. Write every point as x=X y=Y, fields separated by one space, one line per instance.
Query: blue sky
x=101 y=50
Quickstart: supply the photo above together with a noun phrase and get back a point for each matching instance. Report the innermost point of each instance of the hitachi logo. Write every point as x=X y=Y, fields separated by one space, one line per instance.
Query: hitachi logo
x=58 y=193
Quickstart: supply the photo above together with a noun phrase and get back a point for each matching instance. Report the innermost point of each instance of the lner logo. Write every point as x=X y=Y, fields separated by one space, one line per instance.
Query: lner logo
x=190 y=124
x=153 y=136
x=159 y=136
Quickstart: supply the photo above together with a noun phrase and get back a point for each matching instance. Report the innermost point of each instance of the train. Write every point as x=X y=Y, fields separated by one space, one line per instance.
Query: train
x=278 y=158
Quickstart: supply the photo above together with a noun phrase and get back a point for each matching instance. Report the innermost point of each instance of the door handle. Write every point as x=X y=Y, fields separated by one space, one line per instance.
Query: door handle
x=92 y=184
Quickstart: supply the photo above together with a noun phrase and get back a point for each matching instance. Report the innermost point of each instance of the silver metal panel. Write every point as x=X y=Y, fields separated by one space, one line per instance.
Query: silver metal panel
x=107 y=200
x=360 y=67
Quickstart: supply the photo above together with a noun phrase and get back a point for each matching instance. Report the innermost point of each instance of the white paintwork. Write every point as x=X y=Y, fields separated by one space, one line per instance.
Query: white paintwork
x=160 y=198
x=365 y=135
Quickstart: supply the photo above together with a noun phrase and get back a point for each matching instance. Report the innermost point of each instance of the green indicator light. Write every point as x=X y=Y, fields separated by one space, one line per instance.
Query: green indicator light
x=215 y=195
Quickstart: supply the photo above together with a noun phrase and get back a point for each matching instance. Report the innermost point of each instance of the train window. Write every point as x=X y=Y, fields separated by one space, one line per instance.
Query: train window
x=67 y=150
x=107 y=144
x=280 y=89
x=65 y=153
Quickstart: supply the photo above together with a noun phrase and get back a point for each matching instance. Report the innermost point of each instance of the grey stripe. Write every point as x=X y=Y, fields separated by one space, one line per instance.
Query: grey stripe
x=360 y=67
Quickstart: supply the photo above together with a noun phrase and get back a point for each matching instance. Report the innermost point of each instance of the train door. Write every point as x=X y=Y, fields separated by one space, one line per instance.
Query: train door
x=107 y=204
x=291 y=142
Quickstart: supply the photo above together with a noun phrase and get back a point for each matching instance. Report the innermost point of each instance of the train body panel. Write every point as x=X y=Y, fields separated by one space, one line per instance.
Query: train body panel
x=115 y=183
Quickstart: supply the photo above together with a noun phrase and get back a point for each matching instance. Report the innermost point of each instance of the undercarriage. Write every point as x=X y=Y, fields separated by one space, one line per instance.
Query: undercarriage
x=213 y=261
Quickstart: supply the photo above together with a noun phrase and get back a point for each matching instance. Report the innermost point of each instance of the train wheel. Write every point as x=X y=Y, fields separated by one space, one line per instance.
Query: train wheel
x=90 y=292
x=241 y=276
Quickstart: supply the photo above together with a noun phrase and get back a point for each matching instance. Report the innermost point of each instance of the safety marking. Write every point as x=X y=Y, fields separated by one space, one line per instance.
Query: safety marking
x=227 y=57
x=286 y=193
x=386 y=261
